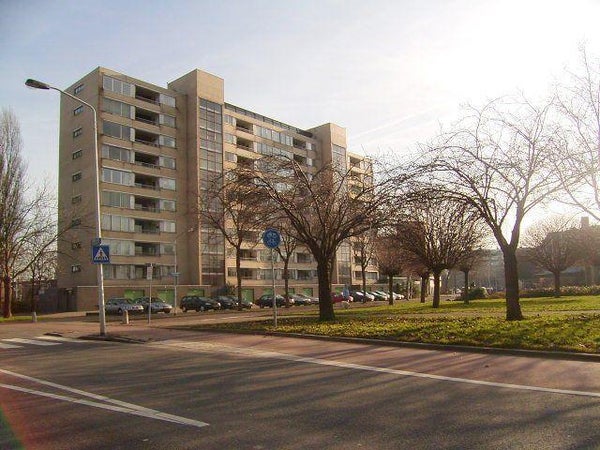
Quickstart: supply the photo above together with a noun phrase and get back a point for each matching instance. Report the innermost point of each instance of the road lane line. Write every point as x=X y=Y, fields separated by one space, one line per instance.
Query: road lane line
x=219 y=348
x=138 y=411
x=30 y=341
x=125 y=405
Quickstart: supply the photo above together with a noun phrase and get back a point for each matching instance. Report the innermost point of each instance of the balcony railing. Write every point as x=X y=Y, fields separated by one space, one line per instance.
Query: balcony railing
x=141 y=141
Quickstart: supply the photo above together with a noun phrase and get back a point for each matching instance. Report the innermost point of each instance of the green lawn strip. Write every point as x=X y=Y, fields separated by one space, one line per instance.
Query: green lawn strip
x=580 y=333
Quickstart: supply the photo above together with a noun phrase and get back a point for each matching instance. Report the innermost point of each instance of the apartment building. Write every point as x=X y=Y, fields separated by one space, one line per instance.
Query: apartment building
x=158 y=147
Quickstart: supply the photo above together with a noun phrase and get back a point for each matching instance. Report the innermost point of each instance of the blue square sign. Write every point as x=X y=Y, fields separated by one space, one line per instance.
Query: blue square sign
x=100 y=254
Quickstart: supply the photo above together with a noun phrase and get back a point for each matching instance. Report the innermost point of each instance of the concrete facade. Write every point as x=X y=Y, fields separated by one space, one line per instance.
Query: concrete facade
x=157 y=147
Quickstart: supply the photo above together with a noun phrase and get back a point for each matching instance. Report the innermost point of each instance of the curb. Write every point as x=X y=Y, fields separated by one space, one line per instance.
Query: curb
x=547 y=354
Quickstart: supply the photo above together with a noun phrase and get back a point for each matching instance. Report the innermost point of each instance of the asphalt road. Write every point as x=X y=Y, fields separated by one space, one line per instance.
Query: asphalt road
x=187 y=390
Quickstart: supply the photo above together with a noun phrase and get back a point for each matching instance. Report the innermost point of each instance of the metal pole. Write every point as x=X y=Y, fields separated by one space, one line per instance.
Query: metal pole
x=100 y=276
x=176 y=275
x=274 y=296
x=150 y=298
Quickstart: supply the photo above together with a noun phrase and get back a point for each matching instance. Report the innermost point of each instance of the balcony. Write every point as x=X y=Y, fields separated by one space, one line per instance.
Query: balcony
x=147 y=138
x=242 y=125
x=147 y=226
x=146 y=182
x=146 y=95
x=146 y=160
x=146 y=116
x=147 y=249
x=146 y=204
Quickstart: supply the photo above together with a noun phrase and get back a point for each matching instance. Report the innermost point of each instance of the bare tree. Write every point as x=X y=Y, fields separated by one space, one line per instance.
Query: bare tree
x=465 y=265
x=439 y=233
x=232 y=205
x=499 y=160
x=552 y=245
x=285 y=250
x=362 y=249
x=578 y=103
x=325 y=209
x=390 y=258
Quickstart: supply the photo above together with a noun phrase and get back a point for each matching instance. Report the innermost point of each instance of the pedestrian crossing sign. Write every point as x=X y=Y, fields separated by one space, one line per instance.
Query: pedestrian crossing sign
x=100 y=254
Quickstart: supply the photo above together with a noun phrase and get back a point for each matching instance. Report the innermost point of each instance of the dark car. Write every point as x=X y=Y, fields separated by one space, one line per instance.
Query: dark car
x=267 y=300
x=303 y=299
x=197 y=303
x=157 y=304
x=231 y=302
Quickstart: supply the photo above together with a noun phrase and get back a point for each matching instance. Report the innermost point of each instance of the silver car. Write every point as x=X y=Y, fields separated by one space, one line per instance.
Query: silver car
x=119 y=305
x=157 y=304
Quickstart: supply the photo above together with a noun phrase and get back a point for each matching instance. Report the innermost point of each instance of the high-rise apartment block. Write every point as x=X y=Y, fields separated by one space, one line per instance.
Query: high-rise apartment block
x=157 y=148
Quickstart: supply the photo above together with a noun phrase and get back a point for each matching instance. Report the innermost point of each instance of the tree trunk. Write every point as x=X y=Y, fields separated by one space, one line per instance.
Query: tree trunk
x=286 y=282
x=436 y=288
x=238 y=273
x=466 y=289
x=511 y=280
x=556 y=274
x=424 y=285
x=325 y=302
x=6 y=312
x=364 y=279
x=391 y=289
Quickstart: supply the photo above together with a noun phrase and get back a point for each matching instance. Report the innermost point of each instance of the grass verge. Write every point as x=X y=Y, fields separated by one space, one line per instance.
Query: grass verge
x=550 y=324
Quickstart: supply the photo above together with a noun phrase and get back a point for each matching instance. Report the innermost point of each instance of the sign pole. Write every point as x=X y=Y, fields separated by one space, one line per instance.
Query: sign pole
x=274 y=296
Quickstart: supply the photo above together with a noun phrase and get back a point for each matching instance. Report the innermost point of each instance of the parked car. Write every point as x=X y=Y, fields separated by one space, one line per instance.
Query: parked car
x=157 y=304
x=360 y=296
x=197 y=303
x=267 y=301
x=231 y=302
x=337 y=297
x=377 y=296
x=303 y=299
x=383 y=294
x=398 y=296
x=119 y=305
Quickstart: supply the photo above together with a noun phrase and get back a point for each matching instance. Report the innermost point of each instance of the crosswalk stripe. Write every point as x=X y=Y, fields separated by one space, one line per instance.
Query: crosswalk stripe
x=60 y=339
x=3 y=345
x=30 y=341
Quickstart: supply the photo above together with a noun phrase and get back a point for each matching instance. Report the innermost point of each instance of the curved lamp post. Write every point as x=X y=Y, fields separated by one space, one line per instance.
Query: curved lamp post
x=40 y=85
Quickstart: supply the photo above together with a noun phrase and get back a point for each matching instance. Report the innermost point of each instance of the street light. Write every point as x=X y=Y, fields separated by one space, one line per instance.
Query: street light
x=41 y=85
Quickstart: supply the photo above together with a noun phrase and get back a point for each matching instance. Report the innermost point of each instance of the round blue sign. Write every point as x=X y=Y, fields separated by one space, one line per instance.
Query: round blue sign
x=271 y=238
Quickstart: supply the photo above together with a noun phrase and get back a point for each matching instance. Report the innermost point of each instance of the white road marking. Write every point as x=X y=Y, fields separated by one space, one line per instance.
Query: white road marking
x=3 y=345
x=30 y=341
x=219 y=348
x=63 y=339
x=110 y=404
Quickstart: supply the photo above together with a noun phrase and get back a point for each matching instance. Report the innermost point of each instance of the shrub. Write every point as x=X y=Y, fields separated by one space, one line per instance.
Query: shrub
x=566 y=291
x=478 y=293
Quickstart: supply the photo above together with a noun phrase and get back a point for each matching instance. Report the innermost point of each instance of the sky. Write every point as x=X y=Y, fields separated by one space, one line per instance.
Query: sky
x=390 y=72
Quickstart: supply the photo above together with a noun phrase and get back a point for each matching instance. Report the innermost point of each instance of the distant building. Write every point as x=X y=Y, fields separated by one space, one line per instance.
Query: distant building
x=158 y=147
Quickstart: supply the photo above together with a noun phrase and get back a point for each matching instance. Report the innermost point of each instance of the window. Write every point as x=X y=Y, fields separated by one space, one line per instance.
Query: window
x=78 y=110
x=117 y=177
x=167 y=100
x=77 y=132
x=116 y=153
x=76 y=176
x=117 y=223
x=75 y=245
x=77 y=154
x=167 y=226
x=76 y=199
x=167 y=183
x=115 y=130
x=167 y=120
x=115 y=107
x=78 y=89
x=120 y=247
x=165 y=161
x=167 y=205
x=76 y=268
x=117 y=86
x=76 y=222
x=116 y=199
x=166 y=141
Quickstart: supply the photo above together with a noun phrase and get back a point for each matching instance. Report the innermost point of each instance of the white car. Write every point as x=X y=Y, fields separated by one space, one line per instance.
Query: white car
x=119 y=305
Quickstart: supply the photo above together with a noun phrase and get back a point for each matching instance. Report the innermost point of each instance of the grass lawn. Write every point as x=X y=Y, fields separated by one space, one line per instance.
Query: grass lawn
x=567 y=324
